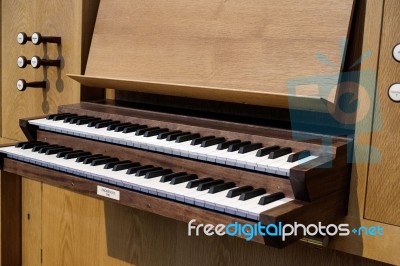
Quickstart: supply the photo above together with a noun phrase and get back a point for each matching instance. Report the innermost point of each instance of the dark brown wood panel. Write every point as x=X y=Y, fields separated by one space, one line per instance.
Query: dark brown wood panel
x=11 y=219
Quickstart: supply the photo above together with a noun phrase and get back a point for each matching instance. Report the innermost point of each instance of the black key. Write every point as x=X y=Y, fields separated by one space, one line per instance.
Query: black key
x=90 y=159
x=145 y=171
x=46 y=148
x=113 y=126
x=279 y=153
x=63 y=116
x=250 y=147
x=38 y=146
x=94 y=123
x=187 y=137
x=125 y=166
x=183 y=179
x=50 y=117
x=121 y=127
x=210 y=142
x=112 y=164
x=298 y=156
x=74 y=155
x=238 y=191
x=196 y=183
x=225 y=145
x=200 y=140
x=106 y=124
x=57 y=150
x=207 y=185
x=141 y=131
x=237 y=146
x=251 y=194
x=164 y=135
x=158 y=173
x=173 y=137
x=69 y=118
x=73 y=120
x=30 y=145
x=63 y=153
x=133 y=128
x=221 y=187
x=87 y=120
x=134 y=169
x=82 y=157
x=19 y=144
x=154 y=132
x=169 y=177
x=267 y=150
x=103 y=161
x=271 y=198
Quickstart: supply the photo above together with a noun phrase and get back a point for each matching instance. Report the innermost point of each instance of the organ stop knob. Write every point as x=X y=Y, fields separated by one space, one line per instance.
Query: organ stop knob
x=23 y=85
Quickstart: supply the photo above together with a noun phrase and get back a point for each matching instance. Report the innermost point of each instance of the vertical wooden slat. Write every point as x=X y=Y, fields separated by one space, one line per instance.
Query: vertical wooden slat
x=10 y=219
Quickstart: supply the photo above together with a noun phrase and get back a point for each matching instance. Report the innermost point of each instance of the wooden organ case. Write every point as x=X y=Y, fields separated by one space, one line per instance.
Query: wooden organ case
x=263 y=99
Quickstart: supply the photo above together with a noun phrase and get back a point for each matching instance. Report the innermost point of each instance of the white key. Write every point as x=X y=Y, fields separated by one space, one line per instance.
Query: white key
x=284 y=169
x=254 y=213
x=264 y=165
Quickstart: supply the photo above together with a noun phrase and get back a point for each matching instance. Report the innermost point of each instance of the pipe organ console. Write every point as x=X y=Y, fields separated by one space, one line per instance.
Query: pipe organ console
x=224 y=112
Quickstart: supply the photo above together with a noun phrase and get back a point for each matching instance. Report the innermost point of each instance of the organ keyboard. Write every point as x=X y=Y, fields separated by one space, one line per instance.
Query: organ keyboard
x=195 y=140
x=225 y=171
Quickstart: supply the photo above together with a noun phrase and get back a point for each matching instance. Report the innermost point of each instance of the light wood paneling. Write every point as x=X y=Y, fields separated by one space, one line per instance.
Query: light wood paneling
x=245 y=48
x=31 y=220
x=382 y=200
x=378 y=248
x=59 y=18
x=87 y=231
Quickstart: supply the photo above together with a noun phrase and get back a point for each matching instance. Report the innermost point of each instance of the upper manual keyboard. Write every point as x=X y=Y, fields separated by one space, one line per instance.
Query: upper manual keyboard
x=238 y=153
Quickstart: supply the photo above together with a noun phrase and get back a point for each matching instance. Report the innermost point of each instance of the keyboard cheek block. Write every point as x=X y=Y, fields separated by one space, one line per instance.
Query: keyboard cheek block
x=318 y=190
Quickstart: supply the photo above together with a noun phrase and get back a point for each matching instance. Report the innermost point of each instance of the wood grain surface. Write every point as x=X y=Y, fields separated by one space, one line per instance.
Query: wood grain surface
x=58 y=18
x=382 y=200
x=233 y=51
x=378 y=248
x=104 y=233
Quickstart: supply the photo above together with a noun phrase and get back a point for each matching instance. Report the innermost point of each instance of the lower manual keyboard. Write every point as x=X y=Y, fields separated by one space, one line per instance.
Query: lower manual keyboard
x=210 y=193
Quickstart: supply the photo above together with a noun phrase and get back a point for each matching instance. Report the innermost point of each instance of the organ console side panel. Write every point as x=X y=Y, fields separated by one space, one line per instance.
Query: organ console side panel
x=379 y=23
x=386 y=207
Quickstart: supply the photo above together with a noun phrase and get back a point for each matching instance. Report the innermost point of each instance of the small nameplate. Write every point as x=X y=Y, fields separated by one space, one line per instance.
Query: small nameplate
x=108 y=192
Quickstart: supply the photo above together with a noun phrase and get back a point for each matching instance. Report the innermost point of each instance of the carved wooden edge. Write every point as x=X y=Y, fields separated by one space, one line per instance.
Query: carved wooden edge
x=314 y=103
x=320 y=177
x=325 y=210
x=28 y=129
